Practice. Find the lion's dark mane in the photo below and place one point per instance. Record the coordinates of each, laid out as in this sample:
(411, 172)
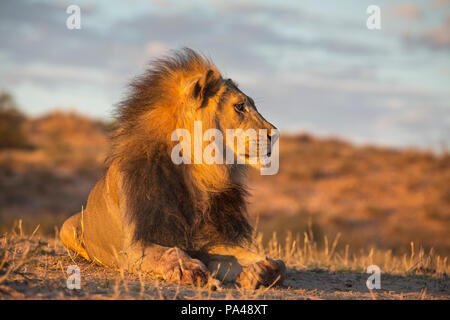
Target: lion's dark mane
(162, 202)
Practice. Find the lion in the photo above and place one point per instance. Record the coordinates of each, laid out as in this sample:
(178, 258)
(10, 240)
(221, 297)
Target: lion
(185, 222)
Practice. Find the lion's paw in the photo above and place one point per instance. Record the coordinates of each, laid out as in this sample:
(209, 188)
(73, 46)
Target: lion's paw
(266, 272)
(177, 266)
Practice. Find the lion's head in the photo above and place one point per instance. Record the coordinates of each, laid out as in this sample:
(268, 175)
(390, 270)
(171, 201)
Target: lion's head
(204, 203)
(218, 103)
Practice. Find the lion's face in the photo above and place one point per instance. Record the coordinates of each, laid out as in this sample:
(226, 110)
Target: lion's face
(230, 109)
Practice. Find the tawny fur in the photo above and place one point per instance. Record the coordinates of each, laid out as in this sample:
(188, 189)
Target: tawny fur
(145, 204)
(191, 206)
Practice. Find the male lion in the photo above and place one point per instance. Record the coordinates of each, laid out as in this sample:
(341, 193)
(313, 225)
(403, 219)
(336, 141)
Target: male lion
(180, 221)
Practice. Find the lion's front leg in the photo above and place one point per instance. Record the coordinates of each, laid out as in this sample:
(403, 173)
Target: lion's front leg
(173, 264)
(250, 270)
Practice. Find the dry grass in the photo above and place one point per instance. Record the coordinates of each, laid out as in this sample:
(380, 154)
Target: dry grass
(303, 251)
(32, 267)
(335, 209)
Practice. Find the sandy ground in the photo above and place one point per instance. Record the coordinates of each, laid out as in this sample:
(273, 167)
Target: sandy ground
(42, 275)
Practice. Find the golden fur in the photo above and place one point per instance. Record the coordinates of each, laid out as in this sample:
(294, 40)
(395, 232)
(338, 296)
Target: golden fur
(185, 220)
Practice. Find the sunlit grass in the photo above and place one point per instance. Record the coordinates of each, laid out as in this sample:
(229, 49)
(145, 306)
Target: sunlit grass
(43, 261)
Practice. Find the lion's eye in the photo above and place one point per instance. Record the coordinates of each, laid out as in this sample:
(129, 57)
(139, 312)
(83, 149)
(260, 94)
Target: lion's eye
(239, 107)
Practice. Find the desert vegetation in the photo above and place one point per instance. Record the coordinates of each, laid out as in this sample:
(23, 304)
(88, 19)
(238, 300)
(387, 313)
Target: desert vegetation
(35, 267)
(332, 210)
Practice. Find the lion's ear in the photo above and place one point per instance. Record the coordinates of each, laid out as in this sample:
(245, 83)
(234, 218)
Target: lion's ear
(205, 87)
(189, 84)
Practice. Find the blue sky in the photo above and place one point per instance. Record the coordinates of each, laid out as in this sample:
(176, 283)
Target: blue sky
(310, 65)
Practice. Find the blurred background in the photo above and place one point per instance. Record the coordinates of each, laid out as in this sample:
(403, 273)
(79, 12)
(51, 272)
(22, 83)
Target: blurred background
(364, 114)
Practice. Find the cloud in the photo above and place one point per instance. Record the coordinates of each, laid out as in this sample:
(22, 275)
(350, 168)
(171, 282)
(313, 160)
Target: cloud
(440, 3)
(435, 38)
(439, 36)
(388, 117)
(319, 69)
(60, 74)
(407, 10)
(156, 48)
